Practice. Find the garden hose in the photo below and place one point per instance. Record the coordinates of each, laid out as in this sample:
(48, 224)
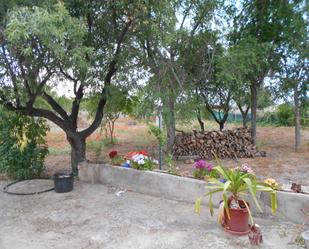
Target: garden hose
(5, 188)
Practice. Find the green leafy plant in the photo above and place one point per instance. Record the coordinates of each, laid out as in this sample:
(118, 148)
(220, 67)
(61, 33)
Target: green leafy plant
(171, 169)
(157, 132)
(239, 182)
(285, 114)
(22, 146)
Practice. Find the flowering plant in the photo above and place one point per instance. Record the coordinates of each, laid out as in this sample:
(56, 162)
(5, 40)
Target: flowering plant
(143, 162)
(239, 182)
(272, 183)
(112, 154)
(130, 154)
(115, 158)
(204, 169)
(244, 168)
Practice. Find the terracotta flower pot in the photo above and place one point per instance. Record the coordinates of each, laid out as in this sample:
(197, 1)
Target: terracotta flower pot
(239, 220)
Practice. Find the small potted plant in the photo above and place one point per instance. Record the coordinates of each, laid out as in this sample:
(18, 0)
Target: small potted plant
(234, 210)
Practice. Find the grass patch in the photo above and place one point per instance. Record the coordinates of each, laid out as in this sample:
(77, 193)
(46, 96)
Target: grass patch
(56, 151)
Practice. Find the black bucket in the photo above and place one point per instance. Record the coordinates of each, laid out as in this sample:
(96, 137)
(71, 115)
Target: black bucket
(63, 182)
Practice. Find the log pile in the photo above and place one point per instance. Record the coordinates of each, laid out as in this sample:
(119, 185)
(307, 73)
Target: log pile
(224, 144)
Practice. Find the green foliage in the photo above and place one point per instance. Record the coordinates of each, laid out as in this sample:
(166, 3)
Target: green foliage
(205, 174)
(118, 102)
(285, 115)
(265, 98)
(117, 160)
(239, 183)
(22, 145)
(47, 39)
(268, 118)
(170, 164)
(63, 101)
(147, 165)
(158, 133)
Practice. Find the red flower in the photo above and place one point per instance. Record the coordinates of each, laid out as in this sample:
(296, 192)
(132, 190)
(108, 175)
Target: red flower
(112, 154)
(143, 152)
(130, 154)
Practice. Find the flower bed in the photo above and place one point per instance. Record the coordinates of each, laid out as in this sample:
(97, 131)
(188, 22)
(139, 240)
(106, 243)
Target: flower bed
(134, 159)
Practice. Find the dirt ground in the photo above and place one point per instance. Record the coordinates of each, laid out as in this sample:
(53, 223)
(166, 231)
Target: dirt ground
(281, 162)
(94, 217)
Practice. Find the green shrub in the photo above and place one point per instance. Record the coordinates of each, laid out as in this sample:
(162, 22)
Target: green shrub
(285, 115)
(22, 145)
(269, 118)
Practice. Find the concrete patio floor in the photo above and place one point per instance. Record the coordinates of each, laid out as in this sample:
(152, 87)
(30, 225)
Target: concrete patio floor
(93, 217)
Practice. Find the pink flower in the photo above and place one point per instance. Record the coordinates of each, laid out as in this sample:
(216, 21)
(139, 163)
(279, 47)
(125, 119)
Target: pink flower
(247, 169)
(202, 164)
(244, 168)
(209, 167)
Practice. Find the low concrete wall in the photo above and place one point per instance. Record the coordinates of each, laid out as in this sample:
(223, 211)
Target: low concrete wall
(293, 207)
(146, 182)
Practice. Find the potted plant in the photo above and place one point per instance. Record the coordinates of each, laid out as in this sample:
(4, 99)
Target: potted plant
(234, 210)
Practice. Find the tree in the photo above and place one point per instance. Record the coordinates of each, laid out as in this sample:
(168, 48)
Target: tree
(219, 74)
(173, 33)
(271, 24)
(41, 48)
(294, 78)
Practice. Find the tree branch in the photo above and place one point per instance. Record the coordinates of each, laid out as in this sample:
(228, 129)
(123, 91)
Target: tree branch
(107, 80)
(76, 104)
(56, 107)
(36, 112)
(98, 117)
(112, 66)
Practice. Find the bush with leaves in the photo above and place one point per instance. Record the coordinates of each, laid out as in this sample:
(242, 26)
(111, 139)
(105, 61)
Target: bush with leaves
(285, 115)
(22, 145)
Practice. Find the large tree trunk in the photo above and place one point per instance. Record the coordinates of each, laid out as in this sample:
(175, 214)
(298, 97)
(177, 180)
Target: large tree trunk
(253, 111)
(297, 118)
(78, 150)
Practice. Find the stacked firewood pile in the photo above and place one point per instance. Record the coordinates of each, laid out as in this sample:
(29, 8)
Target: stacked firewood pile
(224, 144)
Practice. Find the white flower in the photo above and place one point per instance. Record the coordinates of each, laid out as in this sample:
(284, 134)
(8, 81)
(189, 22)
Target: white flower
(137, 157)
(155, 161)
(141, 161)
